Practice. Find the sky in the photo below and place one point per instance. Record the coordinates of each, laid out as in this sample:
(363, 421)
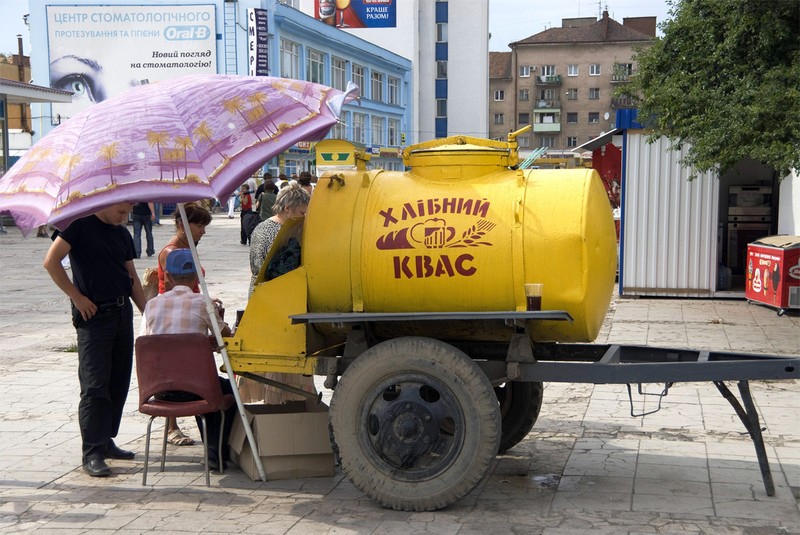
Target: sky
(11, 24)
(509, 20)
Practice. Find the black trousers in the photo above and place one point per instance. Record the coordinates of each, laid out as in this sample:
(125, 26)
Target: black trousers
(212, 419)
(105, 359)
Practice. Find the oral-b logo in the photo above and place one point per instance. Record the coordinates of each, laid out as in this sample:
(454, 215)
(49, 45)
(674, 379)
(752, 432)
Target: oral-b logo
(186, 33)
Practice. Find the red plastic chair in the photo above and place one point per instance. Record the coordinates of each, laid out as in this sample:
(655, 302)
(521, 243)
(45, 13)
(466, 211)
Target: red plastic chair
(183, 362)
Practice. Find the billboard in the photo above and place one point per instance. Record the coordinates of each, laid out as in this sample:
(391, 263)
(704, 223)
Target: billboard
(99, 51)
(357, 13)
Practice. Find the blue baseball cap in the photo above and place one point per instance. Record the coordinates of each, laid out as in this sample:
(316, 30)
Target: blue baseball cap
(180, 262)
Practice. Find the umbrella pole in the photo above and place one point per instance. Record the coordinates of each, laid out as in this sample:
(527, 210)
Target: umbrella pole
(218, 335)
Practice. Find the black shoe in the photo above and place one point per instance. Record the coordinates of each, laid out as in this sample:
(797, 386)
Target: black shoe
(115, 452)
(96, 467)
(213, 461)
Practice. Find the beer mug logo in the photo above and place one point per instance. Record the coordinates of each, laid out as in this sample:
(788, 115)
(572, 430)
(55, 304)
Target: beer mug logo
(432, 233)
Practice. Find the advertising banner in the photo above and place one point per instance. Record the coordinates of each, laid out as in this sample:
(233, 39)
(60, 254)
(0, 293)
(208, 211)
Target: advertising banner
(98, 51)
(257, 42)
(357, 13)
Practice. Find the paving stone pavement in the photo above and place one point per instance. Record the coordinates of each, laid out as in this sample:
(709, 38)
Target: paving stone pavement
(588, 467)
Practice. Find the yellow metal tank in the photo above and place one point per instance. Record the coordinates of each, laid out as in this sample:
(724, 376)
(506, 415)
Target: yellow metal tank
(462, 231)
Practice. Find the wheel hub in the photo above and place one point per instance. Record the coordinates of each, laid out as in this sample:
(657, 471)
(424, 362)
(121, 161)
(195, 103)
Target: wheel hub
(411, 426)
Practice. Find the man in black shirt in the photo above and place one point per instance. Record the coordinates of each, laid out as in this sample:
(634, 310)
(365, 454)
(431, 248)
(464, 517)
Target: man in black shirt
(101, 252)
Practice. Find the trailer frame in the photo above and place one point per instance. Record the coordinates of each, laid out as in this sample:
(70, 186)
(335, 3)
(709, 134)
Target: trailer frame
(526, 361)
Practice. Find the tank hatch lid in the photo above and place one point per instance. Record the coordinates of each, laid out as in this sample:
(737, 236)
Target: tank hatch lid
(461, 150)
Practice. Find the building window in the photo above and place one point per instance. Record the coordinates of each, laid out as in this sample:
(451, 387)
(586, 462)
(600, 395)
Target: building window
(394, 132)
(622, 72)
(594, 93)
(339, 130)
(499, 118)
(572, 141)
(441, 107)
(547, 141)
(572, 118)
(547, 94)
(377, 86)
(594, 117)
(572, 70)
(358, 77)
(572, 94)
(594, 69)
(359, 127)
(524, 71)
(524, 118)
(338, 73)
(393, 87)
(524, 142)
(499, 95)
(441, 70)
(290, 59)
(524, 95)
(441, 32)
(314, 65)
(377, 130)
(548, 70)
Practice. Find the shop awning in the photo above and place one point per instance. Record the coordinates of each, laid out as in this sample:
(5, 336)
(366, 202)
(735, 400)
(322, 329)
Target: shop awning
(599, 141)
(22, 93)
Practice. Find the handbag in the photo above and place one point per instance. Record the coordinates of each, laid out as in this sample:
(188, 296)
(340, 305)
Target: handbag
(285, 260)
(150, 283)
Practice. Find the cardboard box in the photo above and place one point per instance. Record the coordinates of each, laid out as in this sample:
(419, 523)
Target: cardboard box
(292, 440)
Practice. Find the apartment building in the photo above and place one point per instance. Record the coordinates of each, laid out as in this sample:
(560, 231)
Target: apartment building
(562, 80)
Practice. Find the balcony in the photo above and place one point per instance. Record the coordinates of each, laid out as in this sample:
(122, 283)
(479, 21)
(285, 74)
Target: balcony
(621, 77)
(548, 104)
(546, 79)
(623, 102)
(546, 127)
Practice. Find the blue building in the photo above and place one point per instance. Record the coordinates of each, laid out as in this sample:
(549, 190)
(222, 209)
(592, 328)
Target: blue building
(96, 51)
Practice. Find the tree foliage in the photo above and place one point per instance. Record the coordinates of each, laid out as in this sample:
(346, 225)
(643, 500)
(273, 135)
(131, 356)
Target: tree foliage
(725, 78)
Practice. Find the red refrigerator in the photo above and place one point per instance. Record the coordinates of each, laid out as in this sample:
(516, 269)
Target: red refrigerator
(773, 272)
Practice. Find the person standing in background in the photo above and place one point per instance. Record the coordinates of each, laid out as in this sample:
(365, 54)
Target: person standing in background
(144, 214)
(292, 202)
(246, 200)
(104, 282)
(266, 200)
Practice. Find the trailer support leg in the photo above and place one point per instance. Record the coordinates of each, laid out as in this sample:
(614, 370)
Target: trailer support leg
(749, 418)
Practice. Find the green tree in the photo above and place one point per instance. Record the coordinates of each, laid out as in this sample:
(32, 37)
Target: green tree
(725, 78)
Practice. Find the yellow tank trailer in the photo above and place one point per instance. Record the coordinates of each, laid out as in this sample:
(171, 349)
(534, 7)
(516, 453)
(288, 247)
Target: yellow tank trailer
(410, 299)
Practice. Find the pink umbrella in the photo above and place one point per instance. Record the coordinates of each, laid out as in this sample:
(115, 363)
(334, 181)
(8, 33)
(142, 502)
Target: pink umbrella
(177, 140)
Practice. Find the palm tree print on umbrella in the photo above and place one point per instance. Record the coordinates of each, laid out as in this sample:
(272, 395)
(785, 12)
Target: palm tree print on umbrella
(257, 99)
(109, 152)
(235, 105)
(185, 143)
(204, 132)
(70, 161)
(157, 139)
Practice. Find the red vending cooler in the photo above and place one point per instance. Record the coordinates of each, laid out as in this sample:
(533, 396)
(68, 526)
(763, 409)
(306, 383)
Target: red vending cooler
(773, 272)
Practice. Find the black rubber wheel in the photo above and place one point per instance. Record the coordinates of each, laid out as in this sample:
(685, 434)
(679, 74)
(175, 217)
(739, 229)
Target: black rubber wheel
(519, 408)
(417, 423)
